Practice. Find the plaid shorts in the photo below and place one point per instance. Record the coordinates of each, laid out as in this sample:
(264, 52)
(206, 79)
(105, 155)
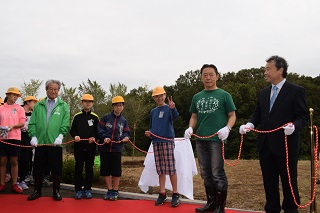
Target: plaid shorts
(164, 158)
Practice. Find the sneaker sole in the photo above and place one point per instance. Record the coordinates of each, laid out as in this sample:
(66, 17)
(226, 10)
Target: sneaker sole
(160, 204)
(175, 205)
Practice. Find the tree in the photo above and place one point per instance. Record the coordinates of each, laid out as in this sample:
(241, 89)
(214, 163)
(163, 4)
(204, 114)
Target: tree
(117, 90)
(72, 98)
(99, 95)
(31, 88)
(138, 104)
(185, 87)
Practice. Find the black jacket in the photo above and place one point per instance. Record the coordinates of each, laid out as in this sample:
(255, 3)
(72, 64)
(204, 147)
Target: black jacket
(290, 106)
(84, 125)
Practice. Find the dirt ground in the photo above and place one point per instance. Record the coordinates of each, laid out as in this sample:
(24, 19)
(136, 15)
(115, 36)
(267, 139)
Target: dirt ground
(245, 183)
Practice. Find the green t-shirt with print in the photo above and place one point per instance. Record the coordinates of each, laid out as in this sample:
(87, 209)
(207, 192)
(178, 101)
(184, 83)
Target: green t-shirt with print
(212, 108)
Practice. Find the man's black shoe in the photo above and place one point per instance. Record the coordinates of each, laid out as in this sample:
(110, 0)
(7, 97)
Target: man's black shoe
(34, 195)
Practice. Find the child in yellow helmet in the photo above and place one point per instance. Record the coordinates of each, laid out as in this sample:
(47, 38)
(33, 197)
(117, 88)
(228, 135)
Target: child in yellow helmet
(84, 132)
(161, 125)
(113, 130)
(25, 157)
(13, 118)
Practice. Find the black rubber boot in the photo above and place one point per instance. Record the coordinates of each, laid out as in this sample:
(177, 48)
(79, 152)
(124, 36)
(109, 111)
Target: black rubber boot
(37, 188)
(221, 201)
(56, 187)
(211, 199)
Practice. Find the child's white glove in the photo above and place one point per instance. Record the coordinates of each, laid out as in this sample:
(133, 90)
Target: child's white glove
(223, 133)
(246, 128)
(34, 142)
(188, 133)
(58, 140)
(289, 129)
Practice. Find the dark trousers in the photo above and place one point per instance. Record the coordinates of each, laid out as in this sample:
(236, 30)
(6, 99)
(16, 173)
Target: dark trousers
(211, 164)
(23, 170)
(47, 158)
(83, 159)
(273, 166)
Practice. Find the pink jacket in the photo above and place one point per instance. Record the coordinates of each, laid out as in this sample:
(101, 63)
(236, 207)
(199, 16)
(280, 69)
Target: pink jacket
(12, 115)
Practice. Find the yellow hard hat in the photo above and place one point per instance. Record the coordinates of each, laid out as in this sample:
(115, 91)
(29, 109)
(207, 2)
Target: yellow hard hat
(158, 91)
(1, 101)
(117, 99)
(30, 98)
(13, 90)
(87, 97)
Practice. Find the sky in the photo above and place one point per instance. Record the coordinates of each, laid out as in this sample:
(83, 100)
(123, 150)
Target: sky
(151, 42)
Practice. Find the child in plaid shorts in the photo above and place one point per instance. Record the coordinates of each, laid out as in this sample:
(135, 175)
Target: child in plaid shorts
(161, 125)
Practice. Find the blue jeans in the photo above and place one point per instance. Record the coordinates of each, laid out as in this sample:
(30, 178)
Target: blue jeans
(211, 164)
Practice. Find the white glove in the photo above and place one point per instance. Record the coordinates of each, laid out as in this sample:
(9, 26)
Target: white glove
(223, 133)
(58, 140)
(289, 129)
(34, 142)
(246, 128)
(188, 133)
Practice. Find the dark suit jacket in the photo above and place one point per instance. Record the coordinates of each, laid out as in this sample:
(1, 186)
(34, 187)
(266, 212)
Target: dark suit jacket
(289, 106)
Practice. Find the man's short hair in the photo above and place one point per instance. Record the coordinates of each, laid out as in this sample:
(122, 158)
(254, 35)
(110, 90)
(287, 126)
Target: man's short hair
(211, 66)
(279, 63)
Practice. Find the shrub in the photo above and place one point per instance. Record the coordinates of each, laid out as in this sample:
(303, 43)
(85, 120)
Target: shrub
(68, 171)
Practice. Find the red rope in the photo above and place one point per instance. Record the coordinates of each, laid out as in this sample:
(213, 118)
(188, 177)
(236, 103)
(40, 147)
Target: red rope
(287, 165)
(223, 154)
(313, 178)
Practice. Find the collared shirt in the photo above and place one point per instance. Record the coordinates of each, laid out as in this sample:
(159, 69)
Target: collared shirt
(279, 85)
(50, 103)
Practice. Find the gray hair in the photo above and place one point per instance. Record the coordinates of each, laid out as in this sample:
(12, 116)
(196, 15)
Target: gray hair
(52, 81)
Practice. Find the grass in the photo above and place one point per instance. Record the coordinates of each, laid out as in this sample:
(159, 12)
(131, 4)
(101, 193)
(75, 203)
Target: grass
(245, 183)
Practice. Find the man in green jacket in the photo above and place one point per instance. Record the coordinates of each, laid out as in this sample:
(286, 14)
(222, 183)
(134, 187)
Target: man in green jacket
(49, 122)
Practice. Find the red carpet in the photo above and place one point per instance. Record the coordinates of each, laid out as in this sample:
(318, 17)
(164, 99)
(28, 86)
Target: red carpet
(19, 203)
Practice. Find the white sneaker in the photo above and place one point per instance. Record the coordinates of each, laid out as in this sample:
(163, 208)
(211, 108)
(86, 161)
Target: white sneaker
(23, 185)
(18, 184)
(28, 179)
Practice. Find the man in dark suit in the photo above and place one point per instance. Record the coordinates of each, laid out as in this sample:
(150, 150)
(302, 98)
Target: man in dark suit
(281, 103)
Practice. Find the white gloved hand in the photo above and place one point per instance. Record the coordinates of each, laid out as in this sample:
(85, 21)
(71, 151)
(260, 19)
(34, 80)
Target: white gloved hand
(246, 128)
(34, 142)
(289, 129)
(188, 133)
(58, 140)
(223, 133)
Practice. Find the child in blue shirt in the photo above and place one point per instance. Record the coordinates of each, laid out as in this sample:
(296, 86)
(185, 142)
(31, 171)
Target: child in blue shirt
(161, 125)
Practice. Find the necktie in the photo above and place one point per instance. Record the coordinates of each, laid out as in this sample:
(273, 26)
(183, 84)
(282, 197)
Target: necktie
(274, 96)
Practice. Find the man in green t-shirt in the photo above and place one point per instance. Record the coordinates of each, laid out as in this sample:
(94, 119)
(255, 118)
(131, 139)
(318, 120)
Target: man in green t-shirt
(212, 111)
